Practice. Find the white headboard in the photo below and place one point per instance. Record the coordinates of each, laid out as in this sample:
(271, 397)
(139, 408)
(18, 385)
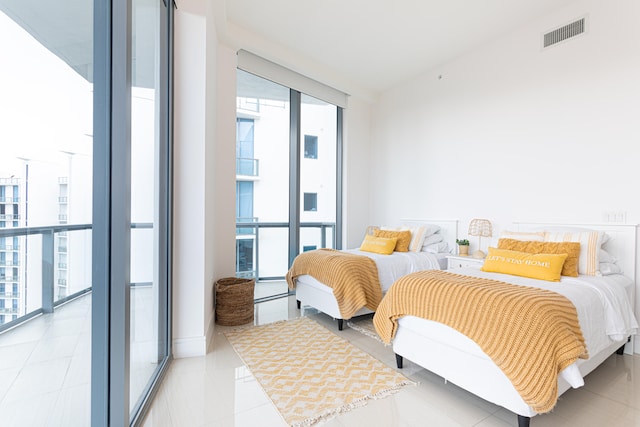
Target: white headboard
(448, 228)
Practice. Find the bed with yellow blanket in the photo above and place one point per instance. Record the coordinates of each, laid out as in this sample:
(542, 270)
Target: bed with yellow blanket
(349, 283)
(511, 339)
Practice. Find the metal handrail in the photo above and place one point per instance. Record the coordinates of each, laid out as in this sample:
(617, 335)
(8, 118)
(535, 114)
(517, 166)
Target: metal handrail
(47, 232)
(256, 225)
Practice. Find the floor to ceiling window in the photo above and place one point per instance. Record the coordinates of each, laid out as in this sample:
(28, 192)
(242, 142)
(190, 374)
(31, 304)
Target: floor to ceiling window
(85, 125)
(149, 204)
(287, 179)
(262, 182)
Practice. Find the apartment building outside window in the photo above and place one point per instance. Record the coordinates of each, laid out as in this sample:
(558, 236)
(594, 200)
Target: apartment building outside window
(277, 211)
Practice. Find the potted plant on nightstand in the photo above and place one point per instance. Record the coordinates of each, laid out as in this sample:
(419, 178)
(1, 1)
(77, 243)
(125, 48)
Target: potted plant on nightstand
(463, 246)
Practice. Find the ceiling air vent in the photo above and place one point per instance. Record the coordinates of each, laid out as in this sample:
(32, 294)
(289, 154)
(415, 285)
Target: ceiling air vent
(564, 33)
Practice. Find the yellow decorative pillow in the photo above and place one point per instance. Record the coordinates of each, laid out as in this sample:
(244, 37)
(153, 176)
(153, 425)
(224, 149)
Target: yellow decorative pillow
(378, 245)
(403, 238)
(537, 266)
(572, 249)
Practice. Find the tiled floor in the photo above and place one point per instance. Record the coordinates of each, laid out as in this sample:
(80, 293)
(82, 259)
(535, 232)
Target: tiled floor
(218, 391)
(45, 366)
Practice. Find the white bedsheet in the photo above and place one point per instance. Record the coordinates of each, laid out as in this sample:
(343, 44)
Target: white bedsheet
(602, 303)
(392, 267)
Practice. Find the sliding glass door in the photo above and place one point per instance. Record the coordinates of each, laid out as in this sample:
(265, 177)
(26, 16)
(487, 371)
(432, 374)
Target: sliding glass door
(131, 221)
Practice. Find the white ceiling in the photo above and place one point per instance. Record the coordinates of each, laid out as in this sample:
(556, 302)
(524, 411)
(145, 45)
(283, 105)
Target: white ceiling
(369, 46)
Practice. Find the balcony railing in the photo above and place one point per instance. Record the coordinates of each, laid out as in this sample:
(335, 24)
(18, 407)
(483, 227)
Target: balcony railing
(9, 200)
(9, 216)
(48, 284)
(249, 228)
(247, 167)
(46, 291)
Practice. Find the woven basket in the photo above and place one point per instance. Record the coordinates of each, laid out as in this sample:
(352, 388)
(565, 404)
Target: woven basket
(234, 301)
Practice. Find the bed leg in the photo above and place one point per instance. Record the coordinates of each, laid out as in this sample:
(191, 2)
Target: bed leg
(340, 324)
(298, 303)
(523, 421)
(620, 351)
(398, 361)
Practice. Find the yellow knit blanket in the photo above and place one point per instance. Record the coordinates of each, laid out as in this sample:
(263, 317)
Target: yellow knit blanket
(353, 278)
(531, 334)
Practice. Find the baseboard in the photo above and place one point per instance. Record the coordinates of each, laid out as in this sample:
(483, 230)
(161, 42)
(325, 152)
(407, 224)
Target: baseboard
(189, 347)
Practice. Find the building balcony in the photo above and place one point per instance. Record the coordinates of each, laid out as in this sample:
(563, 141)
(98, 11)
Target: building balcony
(46, 352)
(9, 181)
(247, 167)
(9, 217)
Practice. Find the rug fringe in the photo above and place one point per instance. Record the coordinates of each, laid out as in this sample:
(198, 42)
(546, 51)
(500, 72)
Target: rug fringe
(366, 332)
(353, 405)
(250, 326)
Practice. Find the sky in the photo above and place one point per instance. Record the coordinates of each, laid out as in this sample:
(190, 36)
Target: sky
(45, 106)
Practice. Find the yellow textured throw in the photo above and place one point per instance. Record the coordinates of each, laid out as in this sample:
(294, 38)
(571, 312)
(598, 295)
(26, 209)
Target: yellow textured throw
(353, 278)
(531, 334)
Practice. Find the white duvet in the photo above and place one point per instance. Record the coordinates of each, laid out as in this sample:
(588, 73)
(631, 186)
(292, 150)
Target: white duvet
(392, 267)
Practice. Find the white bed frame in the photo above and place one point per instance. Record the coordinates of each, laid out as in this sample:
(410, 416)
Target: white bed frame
(312, 293)
(453, 356)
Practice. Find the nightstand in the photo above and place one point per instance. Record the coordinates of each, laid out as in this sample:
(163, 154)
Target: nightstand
(457, 261)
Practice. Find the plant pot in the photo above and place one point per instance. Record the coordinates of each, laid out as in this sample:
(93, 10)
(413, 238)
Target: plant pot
(463, 250)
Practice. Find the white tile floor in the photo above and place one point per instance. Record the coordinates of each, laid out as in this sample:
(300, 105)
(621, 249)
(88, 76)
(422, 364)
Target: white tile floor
(45, 366)
(217, 391)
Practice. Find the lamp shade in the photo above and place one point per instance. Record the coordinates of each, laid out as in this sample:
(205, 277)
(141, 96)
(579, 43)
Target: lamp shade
(480, 227)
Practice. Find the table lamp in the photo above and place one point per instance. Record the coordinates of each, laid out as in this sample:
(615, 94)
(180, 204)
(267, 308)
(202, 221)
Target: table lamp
(481, 228)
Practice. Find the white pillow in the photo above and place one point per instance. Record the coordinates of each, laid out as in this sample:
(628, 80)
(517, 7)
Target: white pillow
(605, 256)
(537, 236)
(607, 268)
(418, 234)
(590, 245)
(434, 238)
(437, 248)
(429, 228)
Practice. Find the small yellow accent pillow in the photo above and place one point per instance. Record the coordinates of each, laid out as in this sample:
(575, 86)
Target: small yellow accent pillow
(572, 249)
(537, 266)
(378, 245)
(403, 238)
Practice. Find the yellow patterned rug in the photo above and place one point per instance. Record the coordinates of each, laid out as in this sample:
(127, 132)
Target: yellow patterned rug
(310, 373)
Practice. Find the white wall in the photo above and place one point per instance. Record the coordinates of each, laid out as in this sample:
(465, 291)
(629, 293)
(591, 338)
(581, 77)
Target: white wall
(189, 280)
(510, 132)
(204, 175)
(357, 160)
